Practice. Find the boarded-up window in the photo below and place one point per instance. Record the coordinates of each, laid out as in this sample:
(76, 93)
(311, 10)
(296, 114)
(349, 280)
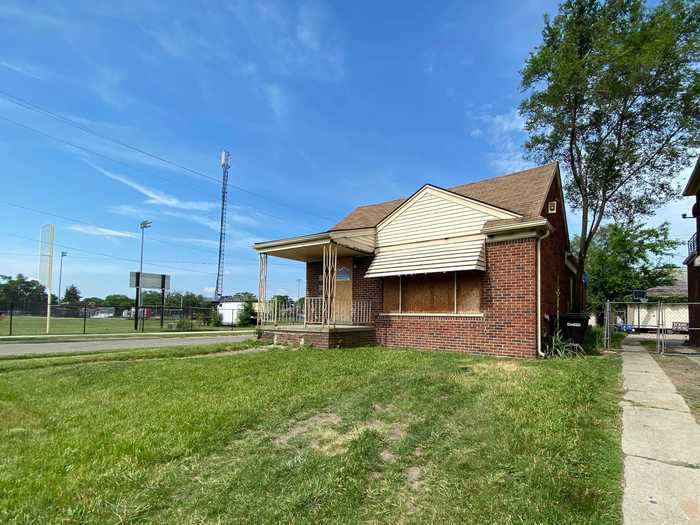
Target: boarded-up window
(433, 293)
(468, 292)
(391, 294)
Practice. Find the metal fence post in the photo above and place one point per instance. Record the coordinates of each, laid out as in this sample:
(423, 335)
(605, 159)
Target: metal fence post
(605, 324)
(12, 307)
(84, 319)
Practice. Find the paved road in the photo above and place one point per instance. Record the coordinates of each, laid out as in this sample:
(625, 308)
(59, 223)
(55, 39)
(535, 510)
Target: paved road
(106, 345)
(661, 443)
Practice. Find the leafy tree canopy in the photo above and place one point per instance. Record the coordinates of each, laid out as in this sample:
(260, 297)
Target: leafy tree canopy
(614, 95)
(118, 300)
(72, 295)
(246, 315)
(21, 289)
(623, 258)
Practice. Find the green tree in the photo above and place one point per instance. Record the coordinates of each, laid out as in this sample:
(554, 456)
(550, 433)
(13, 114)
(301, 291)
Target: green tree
(282, 299)
(21, 290)
(93, 301)
(623, 258)
(72, 295)
(118, 300)
(614, 95)
(244, 296)
(151, 298)
(246, 314)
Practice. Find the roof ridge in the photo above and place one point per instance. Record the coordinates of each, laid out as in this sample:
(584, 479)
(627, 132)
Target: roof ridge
(506, 175)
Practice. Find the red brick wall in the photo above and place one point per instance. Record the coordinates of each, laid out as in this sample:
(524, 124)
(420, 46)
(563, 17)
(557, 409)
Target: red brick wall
(694, 287)
(508, 304)
(314, 274)
(694, 309)
(553, 265)
(366, 289)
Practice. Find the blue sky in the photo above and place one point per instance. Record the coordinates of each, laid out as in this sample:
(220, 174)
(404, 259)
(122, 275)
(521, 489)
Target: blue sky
(323, 106)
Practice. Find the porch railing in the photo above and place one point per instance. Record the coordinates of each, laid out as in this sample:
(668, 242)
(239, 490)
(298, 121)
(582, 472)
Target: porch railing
(693, 244)
(346, 312)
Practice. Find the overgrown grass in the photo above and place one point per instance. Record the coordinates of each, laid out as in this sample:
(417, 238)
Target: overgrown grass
(593, 340)
(344, 436)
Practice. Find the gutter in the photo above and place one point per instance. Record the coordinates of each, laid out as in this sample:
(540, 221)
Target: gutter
(539, 292)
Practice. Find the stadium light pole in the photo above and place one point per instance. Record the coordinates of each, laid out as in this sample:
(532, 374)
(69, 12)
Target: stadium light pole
(60, 275)
(144, 224)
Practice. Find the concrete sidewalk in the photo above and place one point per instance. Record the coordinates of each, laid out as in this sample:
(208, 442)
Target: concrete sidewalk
(661, 443)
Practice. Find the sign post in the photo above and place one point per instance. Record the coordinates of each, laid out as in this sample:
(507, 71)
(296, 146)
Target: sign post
(156, 281)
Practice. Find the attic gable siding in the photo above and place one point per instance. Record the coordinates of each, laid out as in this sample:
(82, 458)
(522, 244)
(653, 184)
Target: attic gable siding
(434, 214)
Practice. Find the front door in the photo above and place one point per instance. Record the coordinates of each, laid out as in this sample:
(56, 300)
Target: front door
(343, 291)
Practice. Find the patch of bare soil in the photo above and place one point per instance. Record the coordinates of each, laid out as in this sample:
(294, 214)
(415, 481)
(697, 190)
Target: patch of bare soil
(685, 375)
(323, 433)
(504, 365)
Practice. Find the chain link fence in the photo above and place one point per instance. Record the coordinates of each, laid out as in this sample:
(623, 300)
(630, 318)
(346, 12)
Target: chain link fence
(30, 319)
(662, 322)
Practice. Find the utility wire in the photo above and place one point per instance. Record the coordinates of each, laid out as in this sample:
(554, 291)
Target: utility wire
(109, 256)
(66, 120)
(80, 221)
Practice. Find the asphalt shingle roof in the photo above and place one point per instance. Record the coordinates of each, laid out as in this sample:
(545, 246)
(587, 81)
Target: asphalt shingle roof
(523, 192)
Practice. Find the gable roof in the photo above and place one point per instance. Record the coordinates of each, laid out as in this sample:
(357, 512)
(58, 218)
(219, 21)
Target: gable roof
(523, 192)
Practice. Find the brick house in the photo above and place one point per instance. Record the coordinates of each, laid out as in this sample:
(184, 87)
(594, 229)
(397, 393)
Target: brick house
(480, 267)
(692, 261)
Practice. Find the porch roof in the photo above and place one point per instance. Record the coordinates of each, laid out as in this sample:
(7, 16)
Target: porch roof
(310, 247)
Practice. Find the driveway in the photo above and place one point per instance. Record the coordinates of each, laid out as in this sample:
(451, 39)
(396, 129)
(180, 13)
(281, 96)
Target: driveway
(107, 345)
(661, 443)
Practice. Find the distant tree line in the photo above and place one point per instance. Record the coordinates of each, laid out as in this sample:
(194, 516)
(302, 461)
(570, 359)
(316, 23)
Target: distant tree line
(22, 290)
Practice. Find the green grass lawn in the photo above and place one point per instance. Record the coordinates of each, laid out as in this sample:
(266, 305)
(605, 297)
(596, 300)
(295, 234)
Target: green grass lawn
(36, 325)
(342, 436)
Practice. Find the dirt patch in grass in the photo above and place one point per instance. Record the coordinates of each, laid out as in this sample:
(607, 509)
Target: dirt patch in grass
(324, 432)
(505, 366)
(685, 375)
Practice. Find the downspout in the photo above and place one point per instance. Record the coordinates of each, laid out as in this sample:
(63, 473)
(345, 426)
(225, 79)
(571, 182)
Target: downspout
(539, 292)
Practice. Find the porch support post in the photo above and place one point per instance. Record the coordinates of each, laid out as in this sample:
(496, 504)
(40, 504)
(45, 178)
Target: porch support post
(262, 289)
(330, 263)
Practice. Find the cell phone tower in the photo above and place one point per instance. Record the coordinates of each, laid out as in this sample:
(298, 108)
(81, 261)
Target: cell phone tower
(219, 291)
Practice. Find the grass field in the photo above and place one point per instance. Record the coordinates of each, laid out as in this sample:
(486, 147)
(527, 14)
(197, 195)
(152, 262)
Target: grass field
(341, 436)
(35, 325)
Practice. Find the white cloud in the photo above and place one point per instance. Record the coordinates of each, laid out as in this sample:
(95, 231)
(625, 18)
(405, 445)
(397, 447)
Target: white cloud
(207, 222)
(25, 69)
(504, 133)
(155, 196)
(101, 232)
(107, 83)
(36, 17)
(277, 100)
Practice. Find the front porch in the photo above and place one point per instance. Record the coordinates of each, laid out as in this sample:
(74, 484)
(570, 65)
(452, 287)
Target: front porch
(329, 316)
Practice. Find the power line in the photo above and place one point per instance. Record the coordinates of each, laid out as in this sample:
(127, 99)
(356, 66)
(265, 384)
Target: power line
(151, 261)
(66, 120)
(108, 256)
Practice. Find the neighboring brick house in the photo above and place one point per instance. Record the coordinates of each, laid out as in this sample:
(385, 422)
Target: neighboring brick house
(480, 267)
(692, 189)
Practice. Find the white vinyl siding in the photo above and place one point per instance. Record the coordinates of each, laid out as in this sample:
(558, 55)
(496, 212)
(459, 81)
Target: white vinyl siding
(460, 255)
(434, 231)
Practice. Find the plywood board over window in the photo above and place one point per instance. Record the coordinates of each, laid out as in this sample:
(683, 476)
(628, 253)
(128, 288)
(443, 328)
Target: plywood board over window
(429, 293)
(392, 290)
(468, 292)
